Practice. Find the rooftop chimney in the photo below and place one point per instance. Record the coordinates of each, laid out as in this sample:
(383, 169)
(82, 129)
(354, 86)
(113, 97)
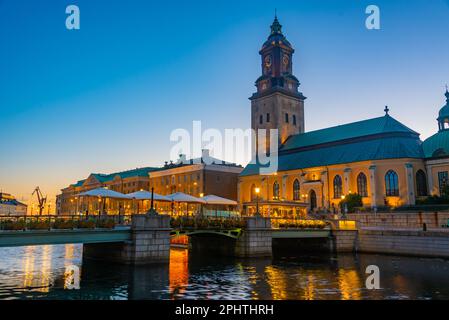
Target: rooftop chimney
(205, 157)
(182, 158)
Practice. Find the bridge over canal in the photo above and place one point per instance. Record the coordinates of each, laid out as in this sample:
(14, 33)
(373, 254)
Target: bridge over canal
(146, 238)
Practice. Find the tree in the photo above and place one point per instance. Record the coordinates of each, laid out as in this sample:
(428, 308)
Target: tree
(352, 201)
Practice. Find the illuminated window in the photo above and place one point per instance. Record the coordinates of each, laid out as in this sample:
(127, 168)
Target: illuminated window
(338, 187)
(296, 190)
(421, 184)
(442, 182)
(391, 184)
(276, 191)
(253, 192)
(362, 185)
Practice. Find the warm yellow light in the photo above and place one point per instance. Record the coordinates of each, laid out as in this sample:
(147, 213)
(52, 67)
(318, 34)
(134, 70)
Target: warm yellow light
(257, 190)
(343, 197)
(201, 195)
(347, 225)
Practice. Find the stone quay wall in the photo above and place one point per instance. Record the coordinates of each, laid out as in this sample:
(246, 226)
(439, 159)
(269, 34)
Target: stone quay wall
(400, 220)
(344, 240)
(150, 243)
(404, 242)
(256, 240)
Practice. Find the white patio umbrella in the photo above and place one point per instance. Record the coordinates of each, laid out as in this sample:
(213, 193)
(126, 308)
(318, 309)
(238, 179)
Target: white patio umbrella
(213, 199)
(104, 193)
(146, 195)
(182, 197)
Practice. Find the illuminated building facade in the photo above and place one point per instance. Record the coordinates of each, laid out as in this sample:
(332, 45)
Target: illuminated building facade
(197, 177)
(9, 206)
(380, 159)
(125, 182)
(202, 176)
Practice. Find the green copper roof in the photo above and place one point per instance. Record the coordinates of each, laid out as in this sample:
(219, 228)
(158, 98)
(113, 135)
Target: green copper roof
(437, 145)
(444, 111)
(79, 183)
(385, 124)
(139, 172)
(374, 139)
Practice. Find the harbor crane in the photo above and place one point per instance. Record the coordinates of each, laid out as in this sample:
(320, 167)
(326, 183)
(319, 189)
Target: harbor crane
(41, 199)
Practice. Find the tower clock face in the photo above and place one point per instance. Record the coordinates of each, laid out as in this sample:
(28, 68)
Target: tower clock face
(268, 61)
(285, 59)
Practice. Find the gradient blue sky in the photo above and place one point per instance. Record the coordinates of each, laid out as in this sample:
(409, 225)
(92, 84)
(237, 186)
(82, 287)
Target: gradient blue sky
(105, 98)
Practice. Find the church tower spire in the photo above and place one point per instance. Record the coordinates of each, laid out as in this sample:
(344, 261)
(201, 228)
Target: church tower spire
(443, 115)
(277, 103)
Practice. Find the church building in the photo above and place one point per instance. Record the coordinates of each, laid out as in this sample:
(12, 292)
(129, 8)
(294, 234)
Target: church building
(381, 159)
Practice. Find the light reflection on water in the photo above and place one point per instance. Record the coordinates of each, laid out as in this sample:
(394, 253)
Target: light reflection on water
(40, 273)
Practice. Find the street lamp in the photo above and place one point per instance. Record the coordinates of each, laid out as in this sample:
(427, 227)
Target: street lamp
(257, 191)
(344, 208)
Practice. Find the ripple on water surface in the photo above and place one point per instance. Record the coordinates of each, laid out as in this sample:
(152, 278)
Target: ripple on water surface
(40, 273)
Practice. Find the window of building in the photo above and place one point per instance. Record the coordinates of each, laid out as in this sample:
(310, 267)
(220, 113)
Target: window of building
(421, 184)
(286, 118)
(338, 187)
(362, 189)
(296, 190)
(268, 117)
(276, 191)
(442, 182)
(391, 184)
(261, 119)
(294, 120)
(253, 192)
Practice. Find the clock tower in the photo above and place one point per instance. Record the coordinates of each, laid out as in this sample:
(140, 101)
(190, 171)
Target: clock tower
(277, 104)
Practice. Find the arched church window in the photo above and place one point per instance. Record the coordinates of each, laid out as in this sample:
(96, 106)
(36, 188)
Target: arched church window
(296, 190)
(276, 191)
(313, 200)
(286, 118)
(362, 185)
(294, 120)
(338, 187)
(421, 184)
(268, 117)
(391, 184)
(261, 119)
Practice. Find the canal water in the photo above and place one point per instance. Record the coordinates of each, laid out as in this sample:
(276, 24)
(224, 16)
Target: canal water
(40, 273)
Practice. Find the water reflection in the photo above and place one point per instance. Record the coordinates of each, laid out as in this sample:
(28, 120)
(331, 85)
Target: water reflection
(41, 273)
(178, 271)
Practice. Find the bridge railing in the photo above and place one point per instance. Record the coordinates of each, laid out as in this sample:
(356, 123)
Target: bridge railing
(18, 223)
(298, 223)
(185, 223)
